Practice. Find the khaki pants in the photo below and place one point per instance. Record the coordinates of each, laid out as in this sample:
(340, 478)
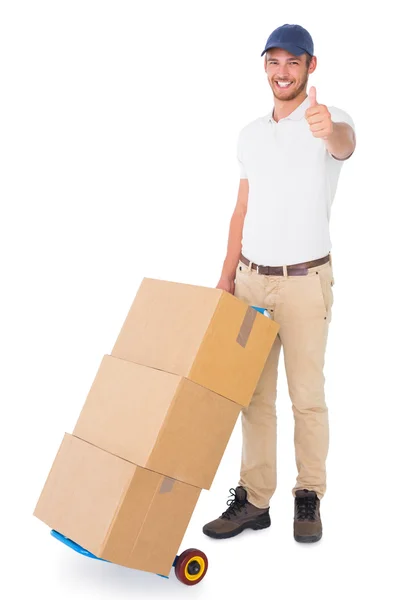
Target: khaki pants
(302, 305)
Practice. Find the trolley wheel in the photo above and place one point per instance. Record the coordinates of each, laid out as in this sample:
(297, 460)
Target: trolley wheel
(191, 566)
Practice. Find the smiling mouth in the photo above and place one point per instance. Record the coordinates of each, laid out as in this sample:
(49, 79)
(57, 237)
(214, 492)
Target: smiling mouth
(283, 85)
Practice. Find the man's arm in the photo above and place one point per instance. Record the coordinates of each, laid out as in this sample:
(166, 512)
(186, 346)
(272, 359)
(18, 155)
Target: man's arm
(227, 279)
(339, 136)
(341, 142)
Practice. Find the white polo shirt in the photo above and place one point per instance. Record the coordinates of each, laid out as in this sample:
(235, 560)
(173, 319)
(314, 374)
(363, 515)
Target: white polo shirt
(292, 184)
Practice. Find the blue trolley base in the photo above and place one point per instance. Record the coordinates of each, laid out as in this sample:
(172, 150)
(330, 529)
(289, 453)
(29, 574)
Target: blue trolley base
(71, 544)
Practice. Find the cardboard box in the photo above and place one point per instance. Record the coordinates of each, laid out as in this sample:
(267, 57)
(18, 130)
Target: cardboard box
(118, 511)
(204, 334)
(157, 420)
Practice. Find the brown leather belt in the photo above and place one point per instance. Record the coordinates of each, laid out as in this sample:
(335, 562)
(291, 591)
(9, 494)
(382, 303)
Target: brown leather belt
(297, 269)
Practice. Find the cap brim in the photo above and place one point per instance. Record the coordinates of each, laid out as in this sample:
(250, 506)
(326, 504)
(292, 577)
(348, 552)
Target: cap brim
(296, 50)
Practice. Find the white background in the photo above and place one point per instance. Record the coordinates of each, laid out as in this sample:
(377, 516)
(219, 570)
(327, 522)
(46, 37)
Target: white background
(119, 123)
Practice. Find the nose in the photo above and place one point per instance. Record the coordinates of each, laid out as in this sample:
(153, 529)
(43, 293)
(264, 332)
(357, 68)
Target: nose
(283, 71)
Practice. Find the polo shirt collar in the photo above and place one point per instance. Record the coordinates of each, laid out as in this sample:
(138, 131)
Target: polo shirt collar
(296, 115)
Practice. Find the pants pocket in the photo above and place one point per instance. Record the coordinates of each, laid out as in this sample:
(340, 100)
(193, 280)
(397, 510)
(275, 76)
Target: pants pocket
(326, 282)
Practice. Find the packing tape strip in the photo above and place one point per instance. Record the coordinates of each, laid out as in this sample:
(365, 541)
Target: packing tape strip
(167, 485)
(246, 326)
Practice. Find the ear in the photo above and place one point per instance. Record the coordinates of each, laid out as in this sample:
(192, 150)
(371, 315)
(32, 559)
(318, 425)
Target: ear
(313, 65)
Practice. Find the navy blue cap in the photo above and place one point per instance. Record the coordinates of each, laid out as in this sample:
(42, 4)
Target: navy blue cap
(293, 38)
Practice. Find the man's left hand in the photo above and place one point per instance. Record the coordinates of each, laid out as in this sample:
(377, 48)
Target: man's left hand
(318, 117)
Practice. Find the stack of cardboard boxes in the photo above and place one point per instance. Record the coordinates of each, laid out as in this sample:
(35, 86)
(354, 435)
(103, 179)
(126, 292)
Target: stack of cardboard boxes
(156, 423)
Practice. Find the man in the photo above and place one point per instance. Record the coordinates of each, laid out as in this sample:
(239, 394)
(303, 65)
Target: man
(279, 258)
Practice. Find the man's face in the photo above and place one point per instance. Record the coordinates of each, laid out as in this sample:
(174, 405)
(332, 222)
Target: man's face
(287, 74)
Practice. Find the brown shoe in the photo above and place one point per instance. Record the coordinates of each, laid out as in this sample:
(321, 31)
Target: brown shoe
(240, 515)
(307, 518)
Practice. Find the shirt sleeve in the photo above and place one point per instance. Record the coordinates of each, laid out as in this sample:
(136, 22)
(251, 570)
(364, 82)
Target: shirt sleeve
(239, 150)
(341, 116)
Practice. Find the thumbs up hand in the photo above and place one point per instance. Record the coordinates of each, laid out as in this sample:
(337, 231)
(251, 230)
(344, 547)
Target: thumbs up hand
(312, 94)
(318, 117)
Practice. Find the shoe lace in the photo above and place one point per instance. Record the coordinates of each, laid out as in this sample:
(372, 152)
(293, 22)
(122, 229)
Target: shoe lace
(306, 508)
(234, 506)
